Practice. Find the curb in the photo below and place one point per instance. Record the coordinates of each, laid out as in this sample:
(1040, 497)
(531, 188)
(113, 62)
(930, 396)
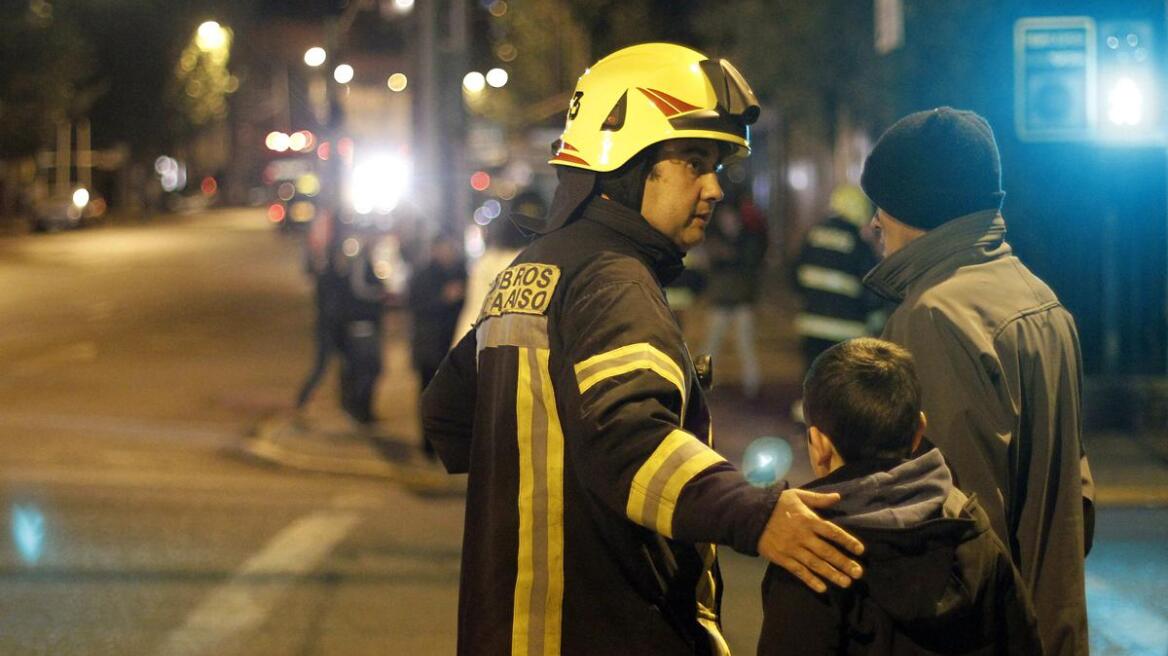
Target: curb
(368, 459)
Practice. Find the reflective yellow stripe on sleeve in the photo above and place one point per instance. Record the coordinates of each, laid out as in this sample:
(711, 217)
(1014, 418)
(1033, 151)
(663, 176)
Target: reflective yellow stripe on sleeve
(632, 357)
(659, 482)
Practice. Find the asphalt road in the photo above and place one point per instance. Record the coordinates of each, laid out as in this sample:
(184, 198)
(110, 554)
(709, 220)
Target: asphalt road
(133, 361)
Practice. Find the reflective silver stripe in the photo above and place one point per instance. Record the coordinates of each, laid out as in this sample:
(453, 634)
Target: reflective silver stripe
(658, 483)
(832, 239)
(829, 280)
(512, 330)
(814, 325)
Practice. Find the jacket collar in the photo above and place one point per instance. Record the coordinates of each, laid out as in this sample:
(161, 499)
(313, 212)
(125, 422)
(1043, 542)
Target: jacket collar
(654, 248)
(973, 238)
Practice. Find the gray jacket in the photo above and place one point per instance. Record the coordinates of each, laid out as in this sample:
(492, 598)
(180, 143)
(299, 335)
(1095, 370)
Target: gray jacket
(999, 362)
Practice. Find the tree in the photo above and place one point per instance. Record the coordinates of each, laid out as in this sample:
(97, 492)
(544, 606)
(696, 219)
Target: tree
(547, 44)
(201, 80)
(44, 75)
(811, 61)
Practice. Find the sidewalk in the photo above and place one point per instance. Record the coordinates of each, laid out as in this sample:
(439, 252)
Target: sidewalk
(323, 439)
(1130, 468)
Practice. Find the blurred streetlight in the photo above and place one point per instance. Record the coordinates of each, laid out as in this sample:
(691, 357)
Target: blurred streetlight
(507, 51)
(343, 74)
(211, 36)
(397, 82)
(403, 6)
(497, 77)
(278, 141)
(315, 56)
(474, 82)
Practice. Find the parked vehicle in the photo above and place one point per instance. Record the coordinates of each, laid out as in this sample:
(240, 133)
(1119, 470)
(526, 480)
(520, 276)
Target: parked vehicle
(67, 212)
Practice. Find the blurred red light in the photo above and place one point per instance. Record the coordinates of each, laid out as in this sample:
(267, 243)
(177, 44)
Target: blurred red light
(345, 149)
(323, 150)
(276, 212)
(480, 181)
(209, 186)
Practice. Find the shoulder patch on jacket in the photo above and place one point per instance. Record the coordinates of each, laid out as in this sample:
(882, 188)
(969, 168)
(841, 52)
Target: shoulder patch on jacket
(521, 289)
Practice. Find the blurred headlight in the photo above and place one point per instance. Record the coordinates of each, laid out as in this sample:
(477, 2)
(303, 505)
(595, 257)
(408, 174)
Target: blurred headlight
(378, 184)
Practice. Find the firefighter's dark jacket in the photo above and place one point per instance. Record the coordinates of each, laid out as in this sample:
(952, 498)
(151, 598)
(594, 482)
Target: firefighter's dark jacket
(594, 496)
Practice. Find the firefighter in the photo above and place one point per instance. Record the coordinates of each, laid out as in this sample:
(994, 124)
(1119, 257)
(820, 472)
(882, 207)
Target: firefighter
(829, 272)
(595, 497)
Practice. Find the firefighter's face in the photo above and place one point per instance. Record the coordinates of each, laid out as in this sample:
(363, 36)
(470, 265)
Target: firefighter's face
(682, 189)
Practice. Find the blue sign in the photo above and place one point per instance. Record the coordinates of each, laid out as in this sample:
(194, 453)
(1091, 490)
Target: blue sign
(1054, 78)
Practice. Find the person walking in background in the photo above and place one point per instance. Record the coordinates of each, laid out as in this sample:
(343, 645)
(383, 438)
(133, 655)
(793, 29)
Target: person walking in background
(349, 301)
(735, 252)
(829, 273)
(437, 293)
(503, 240)
(319, 254)
(998, 354)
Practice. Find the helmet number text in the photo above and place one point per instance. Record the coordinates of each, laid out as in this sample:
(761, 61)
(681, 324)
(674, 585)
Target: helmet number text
(574, 107)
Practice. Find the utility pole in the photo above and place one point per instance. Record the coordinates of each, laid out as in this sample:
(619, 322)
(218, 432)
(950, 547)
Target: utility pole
(426, 119)
(64, 161)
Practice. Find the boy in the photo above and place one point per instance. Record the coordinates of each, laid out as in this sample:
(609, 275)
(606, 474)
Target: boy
(937, 580)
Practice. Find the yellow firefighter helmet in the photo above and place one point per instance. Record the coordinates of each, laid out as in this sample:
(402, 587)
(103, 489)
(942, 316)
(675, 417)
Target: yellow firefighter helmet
(648, 93)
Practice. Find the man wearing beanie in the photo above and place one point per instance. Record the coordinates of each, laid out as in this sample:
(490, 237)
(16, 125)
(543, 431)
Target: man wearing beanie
(997, 353)
(595, 497)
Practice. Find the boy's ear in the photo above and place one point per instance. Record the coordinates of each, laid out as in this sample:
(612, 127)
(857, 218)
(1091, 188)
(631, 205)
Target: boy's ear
(819, 447)
(920, 434)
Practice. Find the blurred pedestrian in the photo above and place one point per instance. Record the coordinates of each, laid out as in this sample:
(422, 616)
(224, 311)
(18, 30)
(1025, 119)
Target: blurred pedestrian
(503, 240)
(998, 354)
(829, 274)
(349, 301)
(594, 494)
(735, 252)
(437, 291)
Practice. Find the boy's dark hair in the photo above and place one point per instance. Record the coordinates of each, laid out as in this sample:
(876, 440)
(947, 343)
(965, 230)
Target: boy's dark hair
(865, 396)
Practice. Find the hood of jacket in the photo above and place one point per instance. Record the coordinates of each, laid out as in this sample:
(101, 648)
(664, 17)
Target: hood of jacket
(662, 256)
(973, 238)
(915, 525)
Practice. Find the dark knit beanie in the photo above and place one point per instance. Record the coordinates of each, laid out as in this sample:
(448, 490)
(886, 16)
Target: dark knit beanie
(934, 166)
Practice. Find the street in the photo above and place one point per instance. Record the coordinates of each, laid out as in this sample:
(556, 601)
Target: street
(133, 362)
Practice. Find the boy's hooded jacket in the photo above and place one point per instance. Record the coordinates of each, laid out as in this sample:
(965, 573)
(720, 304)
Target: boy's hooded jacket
(937, 580)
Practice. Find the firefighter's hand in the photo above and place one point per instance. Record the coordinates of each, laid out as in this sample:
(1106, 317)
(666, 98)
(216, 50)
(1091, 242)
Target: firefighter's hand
(800, 542)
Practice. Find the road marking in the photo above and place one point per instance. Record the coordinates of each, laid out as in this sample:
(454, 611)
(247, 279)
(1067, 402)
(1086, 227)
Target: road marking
(186, 432)
(1122, 625)
(245, 601)
(68, 354)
